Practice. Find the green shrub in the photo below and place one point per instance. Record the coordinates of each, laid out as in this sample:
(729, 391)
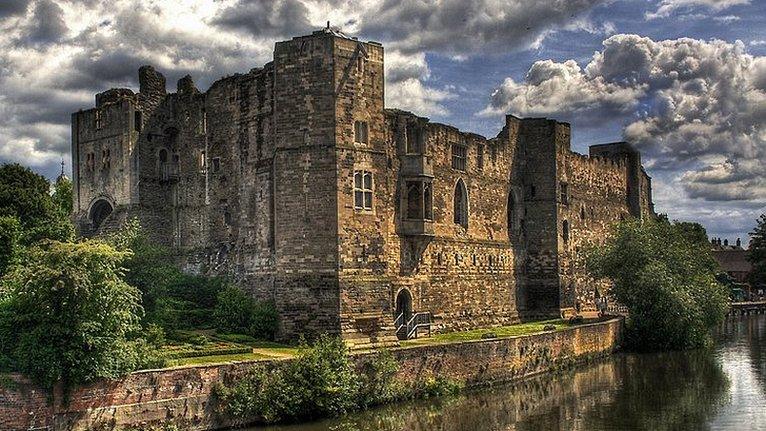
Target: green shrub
(320, 382)
(378, 385)
(236, 311)
(665, 275)
(437, 387)
(68, 316)
(265, 321)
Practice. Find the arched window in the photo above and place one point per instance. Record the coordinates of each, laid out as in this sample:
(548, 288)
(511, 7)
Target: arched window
(460, 204)
(565, 231)
(511, 215)
(99, 211)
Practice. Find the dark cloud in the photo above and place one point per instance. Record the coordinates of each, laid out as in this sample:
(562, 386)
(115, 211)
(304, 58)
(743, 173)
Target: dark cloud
(458, 27)
(266, 17)
(47, 24)
(13, 7)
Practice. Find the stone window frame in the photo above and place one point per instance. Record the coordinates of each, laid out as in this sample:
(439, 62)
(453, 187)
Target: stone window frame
(459, 156)
(90, 161)
(364, 193)
(98, 120)
(564, 192)
(106, 159)
(361, 132)
(216, 165)
(425, 195)
(460, 213)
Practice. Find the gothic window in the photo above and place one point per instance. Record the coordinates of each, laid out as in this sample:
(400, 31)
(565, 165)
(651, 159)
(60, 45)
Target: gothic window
(202, 161)
(363, 190)
(565, 231)
(360, 132)
(582, 212)
(216, 164)
(458, 157)
(513, 225)
(419, 200)
(106, 161)
(90, 162)
(480, 156)
(162, 165)
(428, 202)
(98, 120)
(564, 190)
(460, 204)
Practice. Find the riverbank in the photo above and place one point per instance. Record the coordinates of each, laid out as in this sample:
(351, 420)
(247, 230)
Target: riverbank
(183, 396)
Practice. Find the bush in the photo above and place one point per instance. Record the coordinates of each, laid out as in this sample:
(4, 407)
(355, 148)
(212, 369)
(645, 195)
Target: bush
(236, 311)
(378, 385)
(320, 382)
(665, 276)
(68, 316)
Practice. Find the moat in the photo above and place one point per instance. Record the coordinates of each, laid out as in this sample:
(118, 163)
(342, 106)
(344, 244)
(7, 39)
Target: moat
(720, 389)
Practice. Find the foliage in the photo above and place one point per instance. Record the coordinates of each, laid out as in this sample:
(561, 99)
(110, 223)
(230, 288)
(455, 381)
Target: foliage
(10, 238)
(757, 252)
(67, 316)
(235, 311)
(62, 196)
(26, 196)
(320, 382)
(667, 281)
(378, 385)
(171, 298)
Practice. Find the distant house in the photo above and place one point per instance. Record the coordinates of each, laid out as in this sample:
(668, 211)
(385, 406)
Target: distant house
(734, 261)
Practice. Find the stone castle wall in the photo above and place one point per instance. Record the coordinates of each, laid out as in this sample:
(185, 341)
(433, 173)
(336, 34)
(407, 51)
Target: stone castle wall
(254, 179)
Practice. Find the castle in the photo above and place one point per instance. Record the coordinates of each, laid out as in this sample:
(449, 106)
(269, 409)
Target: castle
(296, 182)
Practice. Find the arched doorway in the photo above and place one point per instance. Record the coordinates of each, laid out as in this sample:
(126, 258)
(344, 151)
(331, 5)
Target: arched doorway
(99, 211)
(404, 305)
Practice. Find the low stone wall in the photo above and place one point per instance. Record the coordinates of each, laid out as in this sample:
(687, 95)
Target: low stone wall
(183, 395)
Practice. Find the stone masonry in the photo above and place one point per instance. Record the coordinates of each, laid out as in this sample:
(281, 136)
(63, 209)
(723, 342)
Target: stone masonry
(297, 183)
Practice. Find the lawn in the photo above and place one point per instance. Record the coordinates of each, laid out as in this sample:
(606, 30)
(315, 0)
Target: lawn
(500, 332)
(217, 359)
(198, 347)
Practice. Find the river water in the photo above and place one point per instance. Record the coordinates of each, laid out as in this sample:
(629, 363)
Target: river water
(720, 389)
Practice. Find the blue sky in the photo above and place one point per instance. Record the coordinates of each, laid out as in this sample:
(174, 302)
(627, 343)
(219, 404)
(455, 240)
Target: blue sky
(684, 80)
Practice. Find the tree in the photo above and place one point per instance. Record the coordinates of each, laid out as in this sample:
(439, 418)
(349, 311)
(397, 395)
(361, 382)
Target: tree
(62, 195)
(10, 237)
(67, 316)
(26, 196)
(666, 279)
(757, 252)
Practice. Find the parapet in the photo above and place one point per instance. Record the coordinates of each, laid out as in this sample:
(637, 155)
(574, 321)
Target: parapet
(113, 95)
(150, 81)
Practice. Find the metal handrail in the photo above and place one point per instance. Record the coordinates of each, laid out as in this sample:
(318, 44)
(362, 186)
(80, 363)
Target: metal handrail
(418, 320)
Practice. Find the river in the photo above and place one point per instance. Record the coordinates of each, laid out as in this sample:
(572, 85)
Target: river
(719, 389)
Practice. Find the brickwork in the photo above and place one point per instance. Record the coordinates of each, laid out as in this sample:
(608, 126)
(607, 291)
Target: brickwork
(183, 396)
(296, 182)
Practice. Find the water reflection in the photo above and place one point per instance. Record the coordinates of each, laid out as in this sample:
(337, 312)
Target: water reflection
(719, 389)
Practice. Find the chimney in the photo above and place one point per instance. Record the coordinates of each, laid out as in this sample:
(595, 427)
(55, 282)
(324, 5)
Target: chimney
(739, 243)
(726, 242)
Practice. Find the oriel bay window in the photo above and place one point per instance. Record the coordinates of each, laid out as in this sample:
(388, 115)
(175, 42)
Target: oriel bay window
(419, 205)
(363, 190)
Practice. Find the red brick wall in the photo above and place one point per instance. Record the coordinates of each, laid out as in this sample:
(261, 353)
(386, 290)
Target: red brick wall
(183, 395)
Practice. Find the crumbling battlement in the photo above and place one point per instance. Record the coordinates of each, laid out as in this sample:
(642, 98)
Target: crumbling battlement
(295, 181)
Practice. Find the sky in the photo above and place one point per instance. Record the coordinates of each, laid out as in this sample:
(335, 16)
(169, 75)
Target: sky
(682, 80)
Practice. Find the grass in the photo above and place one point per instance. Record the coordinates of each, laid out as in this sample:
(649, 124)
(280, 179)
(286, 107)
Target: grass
(500, 332)
(218, 359)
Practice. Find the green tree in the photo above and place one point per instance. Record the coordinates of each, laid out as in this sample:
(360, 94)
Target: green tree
(62, 196)
(26, 196)
(67, 316)
(10, 237)
(757, 252)
(667, 281)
